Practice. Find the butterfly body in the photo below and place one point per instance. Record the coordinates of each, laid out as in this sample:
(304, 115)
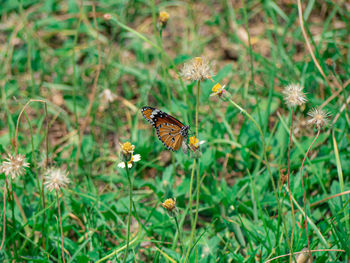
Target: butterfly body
(170, 131)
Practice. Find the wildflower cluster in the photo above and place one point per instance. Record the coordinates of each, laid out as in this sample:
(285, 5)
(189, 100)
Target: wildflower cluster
(128, 155)
(294, 96)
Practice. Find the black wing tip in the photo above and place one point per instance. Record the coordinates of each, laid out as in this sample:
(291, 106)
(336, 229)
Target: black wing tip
(146, 107)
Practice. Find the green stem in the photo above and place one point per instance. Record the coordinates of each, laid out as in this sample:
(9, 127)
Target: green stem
(75, 82)
(197, 107)
(129, 214)
(290, 195)
(194, 222)
(304, 194)
(13, 220)
(61, 227)
(179, 234)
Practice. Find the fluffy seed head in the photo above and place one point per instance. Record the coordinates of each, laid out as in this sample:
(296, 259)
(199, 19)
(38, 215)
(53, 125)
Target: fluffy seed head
(14, 166)
(318, 117)
(56, 179)
(197, 69)
(294, 95)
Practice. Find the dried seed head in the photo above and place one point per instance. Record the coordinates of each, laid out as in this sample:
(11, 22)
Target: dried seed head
(14, 166)
(294, 95)
(56, 179)
(197, 69)
(318, 117)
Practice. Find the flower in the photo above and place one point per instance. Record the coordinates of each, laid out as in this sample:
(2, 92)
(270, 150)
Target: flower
(197, 69)
(195, 143)
(294, 95)
(127, 148)
(107, 96)
(218, 90)
(163, 17)
(56, 178)
(318, 117)
(14, 165)
(107, 16)
(169, 204)
(134, 158)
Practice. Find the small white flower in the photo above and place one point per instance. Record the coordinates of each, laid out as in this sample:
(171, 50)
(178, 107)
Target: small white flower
(107, 96)
(122, 165)
(14, 166)
(56, 178)
(134, 158)
(294, 95)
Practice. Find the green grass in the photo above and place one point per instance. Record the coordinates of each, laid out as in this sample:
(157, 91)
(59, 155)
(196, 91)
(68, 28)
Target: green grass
(50, 50)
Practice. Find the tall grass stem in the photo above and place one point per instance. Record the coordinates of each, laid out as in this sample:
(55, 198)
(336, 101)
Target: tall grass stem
(288, 178)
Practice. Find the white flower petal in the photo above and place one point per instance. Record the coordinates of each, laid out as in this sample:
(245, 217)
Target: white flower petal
(136, 158)
(129, 165)
(121, 165)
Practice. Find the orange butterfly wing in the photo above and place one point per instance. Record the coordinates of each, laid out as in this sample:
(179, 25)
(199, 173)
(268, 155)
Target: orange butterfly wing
(171, 132)
(170, 136)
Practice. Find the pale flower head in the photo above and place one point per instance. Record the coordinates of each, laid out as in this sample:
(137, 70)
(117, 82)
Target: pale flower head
(294, 95)
(56, 179)
(318, 117)
(198, 68)
(14, 165)
(107, 96)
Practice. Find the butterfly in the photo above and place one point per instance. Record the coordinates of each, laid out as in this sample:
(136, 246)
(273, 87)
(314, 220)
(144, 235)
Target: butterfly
(170, 131)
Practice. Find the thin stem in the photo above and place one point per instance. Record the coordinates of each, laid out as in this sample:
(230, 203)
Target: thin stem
(60, 219)
(304, 194)
(129, 214)
(43, 180)
(194, 222)
(179, 233)
(290, 192)
(13, 219)
(197, 107)
(75, 81)
(251, 59)
(4, 215)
